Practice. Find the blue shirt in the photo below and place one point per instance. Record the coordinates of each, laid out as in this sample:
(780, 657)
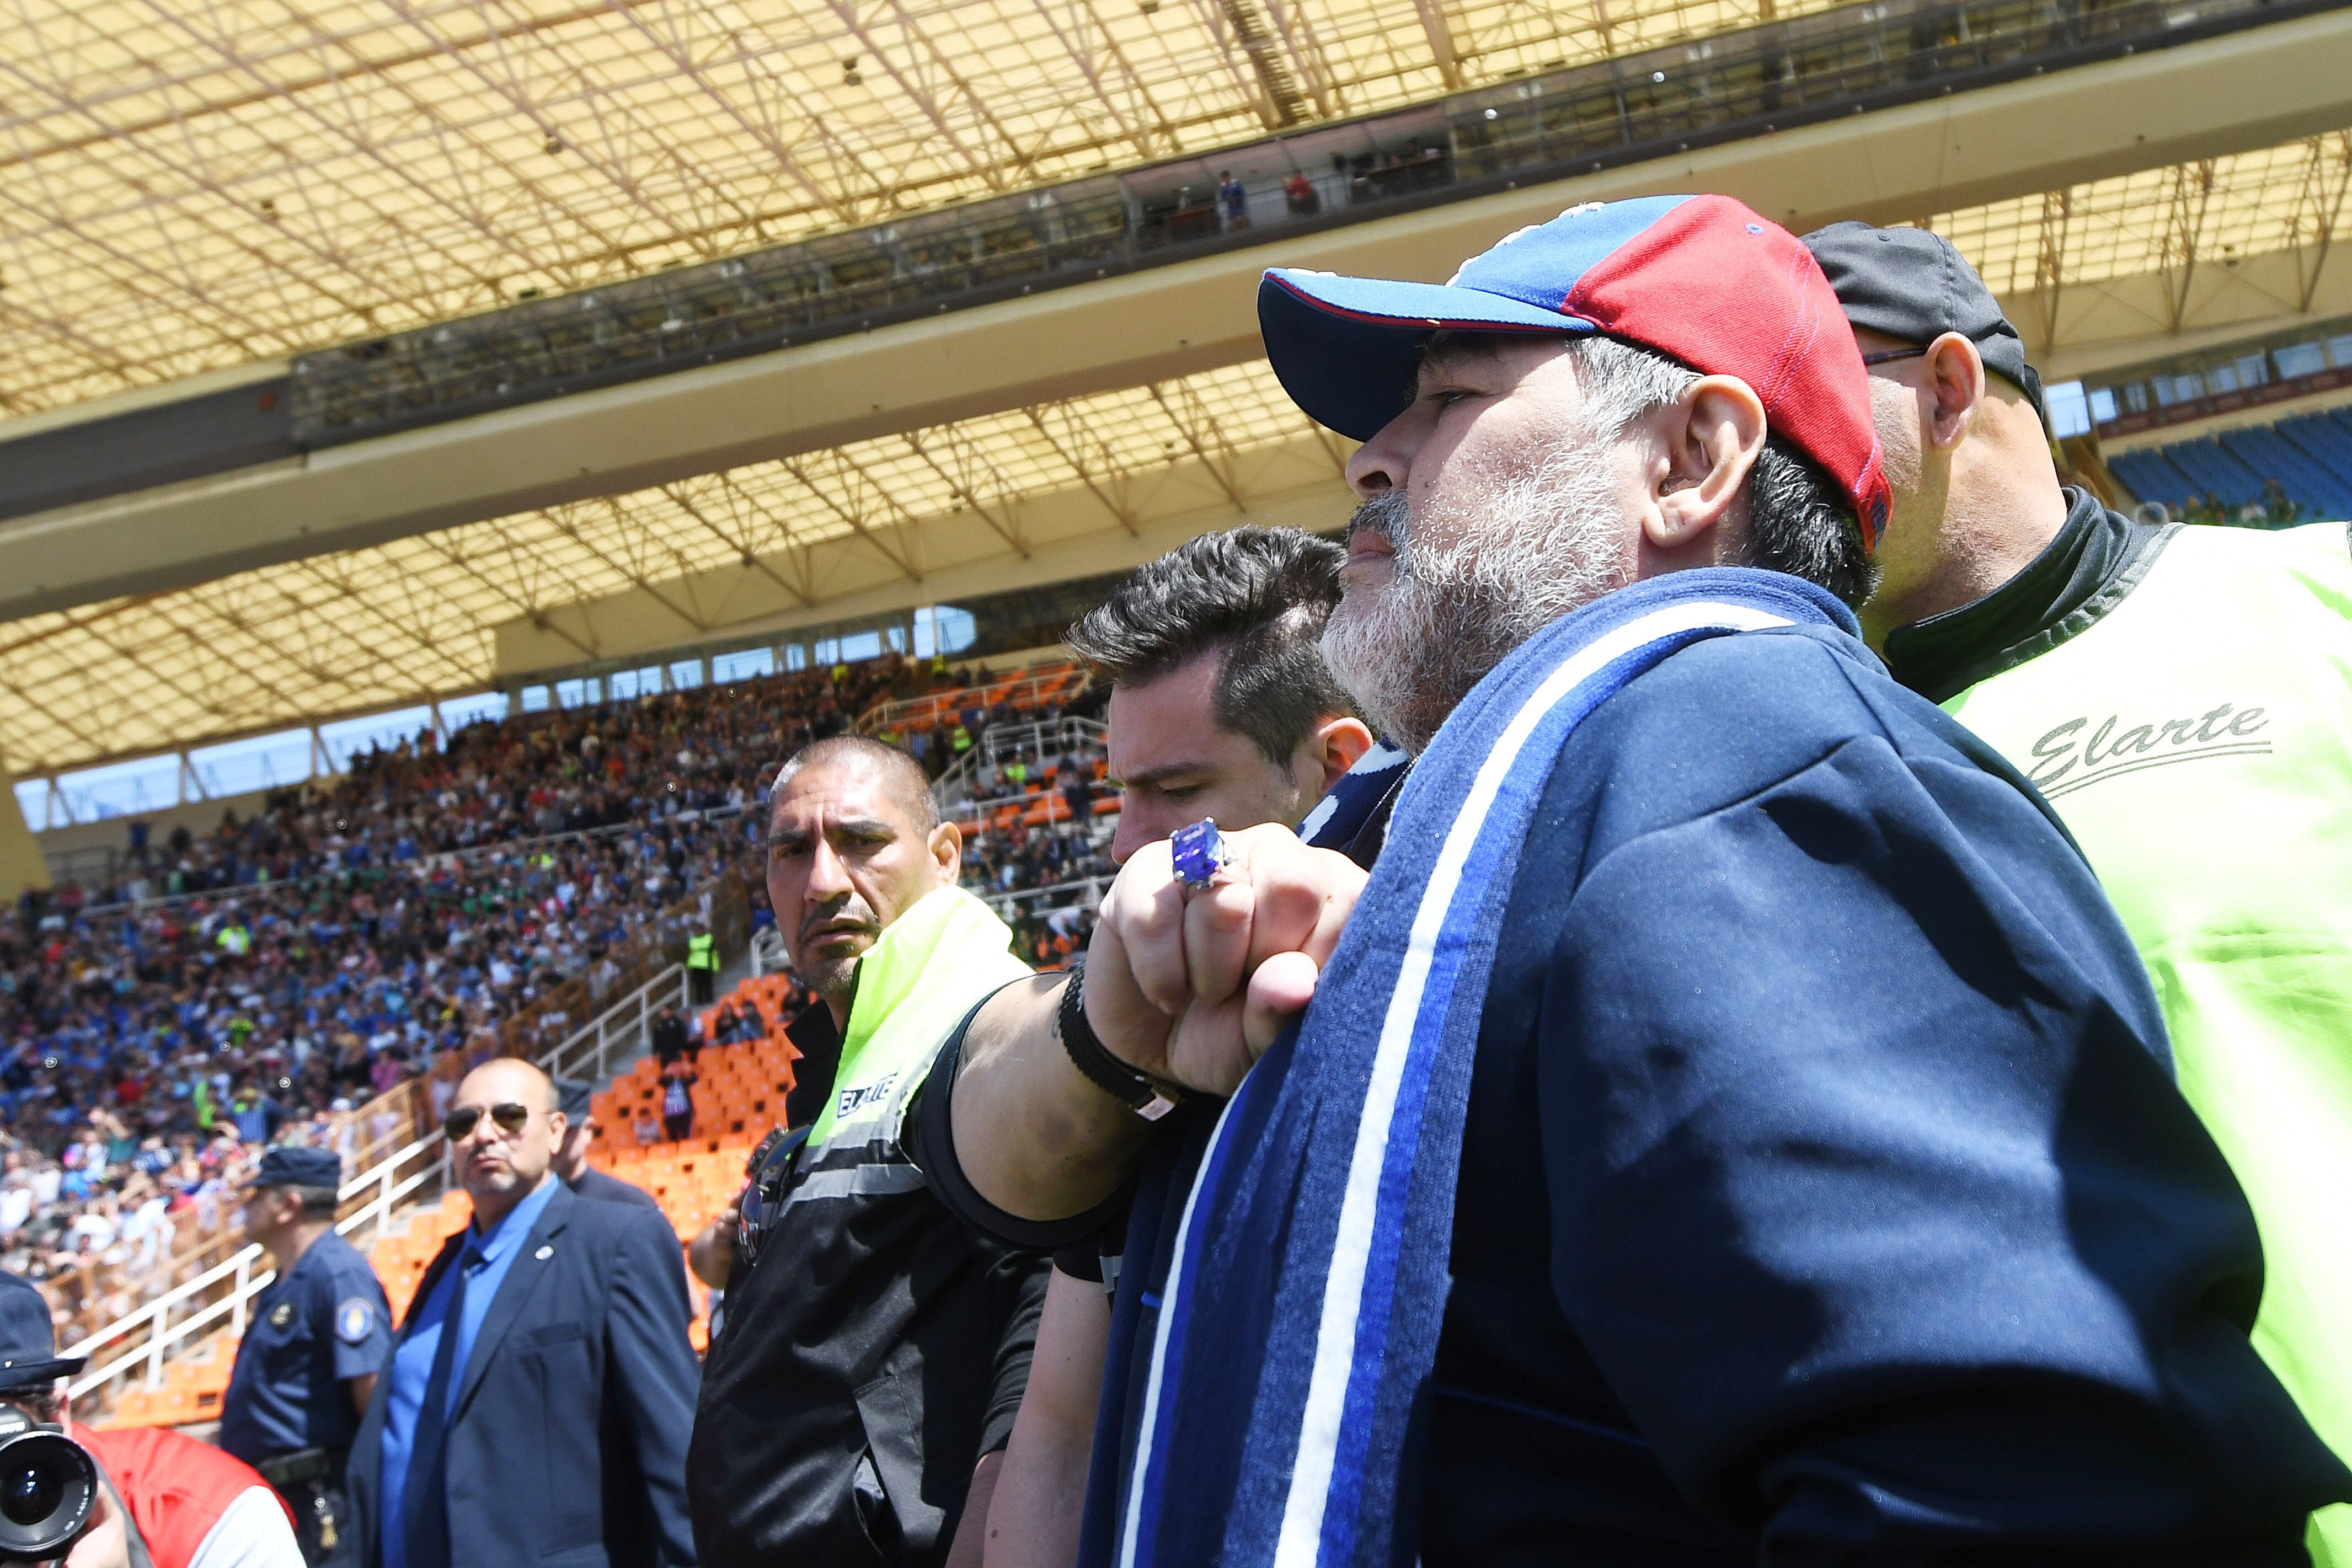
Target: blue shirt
(485, 1262)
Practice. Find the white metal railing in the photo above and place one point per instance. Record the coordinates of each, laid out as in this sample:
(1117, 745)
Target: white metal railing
(933, 708)
(616, 1036)
(251, 1276)
(768, 952)
(1087, 893)
(620, 1031)
(1066, 736)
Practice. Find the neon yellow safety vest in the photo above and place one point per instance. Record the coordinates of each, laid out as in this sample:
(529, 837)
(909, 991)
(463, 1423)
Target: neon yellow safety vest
(702, 951)
(2197, 740)
(927, 969)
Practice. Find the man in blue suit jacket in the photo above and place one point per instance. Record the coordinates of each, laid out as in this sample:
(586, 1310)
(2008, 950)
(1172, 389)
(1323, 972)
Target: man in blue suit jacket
(539, 1399)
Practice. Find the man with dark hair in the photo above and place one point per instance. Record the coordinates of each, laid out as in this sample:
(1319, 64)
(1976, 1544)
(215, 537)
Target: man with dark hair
(874, 1349)
(668, 1035)
(1730, 1126)
(1220, 707)
(313, 1346)
(2146, 676)
(1219, 702)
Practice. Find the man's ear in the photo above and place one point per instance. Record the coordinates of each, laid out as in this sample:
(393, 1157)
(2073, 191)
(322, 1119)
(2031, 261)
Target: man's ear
(1711, 434)
(1954, 376)
(1335, 746)
(946, 844)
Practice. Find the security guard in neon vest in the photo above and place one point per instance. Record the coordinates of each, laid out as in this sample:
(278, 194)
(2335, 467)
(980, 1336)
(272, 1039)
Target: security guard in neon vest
(2182, 697)
(313, 1343)
(702, 966)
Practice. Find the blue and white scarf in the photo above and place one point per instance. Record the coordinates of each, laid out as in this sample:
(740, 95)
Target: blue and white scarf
(1341, 817)
(1300, 1317)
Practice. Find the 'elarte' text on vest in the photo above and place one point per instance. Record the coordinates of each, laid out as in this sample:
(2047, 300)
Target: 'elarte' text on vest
(2067, 758)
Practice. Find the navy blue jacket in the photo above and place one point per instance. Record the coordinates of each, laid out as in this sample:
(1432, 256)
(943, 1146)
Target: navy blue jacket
(567, 1446)
(1825, 1197)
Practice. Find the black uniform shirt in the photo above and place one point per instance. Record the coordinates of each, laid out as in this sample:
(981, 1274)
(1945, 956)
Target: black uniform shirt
(317, 1326)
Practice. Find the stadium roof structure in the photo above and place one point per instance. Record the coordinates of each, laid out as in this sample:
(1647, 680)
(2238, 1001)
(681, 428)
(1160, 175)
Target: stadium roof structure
(354, 631)
(348, 631)
(2173, 221)
(189, 186)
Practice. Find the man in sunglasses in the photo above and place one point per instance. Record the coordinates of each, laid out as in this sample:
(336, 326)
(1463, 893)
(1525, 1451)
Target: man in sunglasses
(538, 1400)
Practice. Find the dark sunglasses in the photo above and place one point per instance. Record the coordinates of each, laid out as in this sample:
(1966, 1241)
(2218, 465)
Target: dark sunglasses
(510, 1118)
(1885, 356)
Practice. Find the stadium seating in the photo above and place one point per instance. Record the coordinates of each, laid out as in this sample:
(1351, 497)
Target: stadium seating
(2308, 456)
(1054, 683)
(741, 1089)
(740, 1085)
(192, 1387)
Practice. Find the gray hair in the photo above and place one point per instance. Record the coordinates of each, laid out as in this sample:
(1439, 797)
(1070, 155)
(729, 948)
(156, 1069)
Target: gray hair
(1798, 518)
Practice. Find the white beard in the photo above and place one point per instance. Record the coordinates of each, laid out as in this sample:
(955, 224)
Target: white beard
(1522, 554)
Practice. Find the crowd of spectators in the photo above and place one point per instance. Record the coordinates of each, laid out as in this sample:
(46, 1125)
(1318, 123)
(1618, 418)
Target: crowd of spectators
(259, 981)
(1044, 878)
(2276, 509)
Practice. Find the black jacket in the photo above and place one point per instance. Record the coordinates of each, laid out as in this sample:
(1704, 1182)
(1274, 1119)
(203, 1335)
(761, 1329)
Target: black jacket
(604, 1188)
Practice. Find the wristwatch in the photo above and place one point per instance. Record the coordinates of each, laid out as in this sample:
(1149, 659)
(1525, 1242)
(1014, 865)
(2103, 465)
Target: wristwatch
(1140, 1093)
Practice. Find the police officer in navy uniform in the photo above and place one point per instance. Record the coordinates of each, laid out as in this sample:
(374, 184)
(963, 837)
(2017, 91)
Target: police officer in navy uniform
(313, 1344)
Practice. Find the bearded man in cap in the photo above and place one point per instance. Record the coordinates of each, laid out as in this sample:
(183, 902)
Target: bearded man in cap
(1730, 1126)
(2147, 676)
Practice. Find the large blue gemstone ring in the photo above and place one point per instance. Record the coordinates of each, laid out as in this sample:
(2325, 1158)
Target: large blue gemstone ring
(1199, 851)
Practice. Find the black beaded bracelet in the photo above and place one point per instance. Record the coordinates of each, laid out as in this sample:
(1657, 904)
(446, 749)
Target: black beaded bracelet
(1134, 1089)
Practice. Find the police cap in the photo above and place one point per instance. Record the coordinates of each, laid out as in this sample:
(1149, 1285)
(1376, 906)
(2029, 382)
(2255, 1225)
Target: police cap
(288, 1164)
(28, 1345)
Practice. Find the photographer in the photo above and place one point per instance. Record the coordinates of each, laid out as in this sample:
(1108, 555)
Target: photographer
(163, 1501)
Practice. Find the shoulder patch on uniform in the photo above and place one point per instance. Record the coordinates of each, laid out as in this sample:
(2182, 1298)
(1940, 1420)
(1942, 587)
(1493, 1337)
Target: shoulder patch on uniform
(355, 1320)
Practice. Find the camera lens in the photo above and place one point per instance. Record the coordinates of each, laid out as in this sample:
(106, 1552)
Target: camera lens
(47, 1485)
(29, 1494)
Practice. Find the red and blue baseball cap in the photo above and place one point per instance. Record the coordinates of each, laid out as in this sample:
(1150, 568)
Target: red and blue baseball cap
(1701, 280)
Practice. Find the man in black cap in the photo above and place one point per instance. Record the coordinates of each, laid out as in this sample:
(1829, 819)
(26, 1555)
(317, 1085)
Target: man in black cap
(1960, 423)
(2180, 695)
(313, 1343)
(576, 1100)
(163, 1500)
